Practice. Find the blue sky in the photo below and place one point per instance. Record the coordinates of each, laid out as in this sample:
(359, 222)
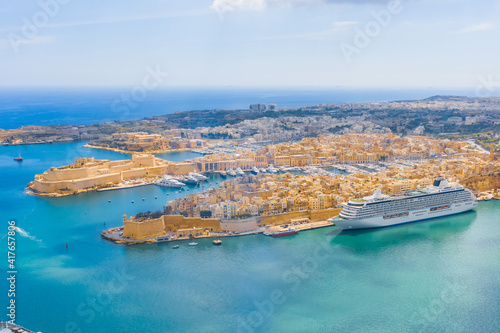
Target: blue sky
(438, 43)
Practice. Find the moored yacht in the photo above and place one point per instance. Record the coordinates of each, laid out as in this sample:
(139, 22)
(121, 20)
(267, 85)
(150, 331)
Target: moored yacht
(255, 170)
(198, 176)
(190, 180)
(239, 172)
(272, 169)
(169, 182)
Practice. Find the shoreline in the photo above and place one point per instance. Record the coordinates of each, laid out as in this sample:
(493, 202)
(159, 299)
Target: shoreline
(120, 186)
(113, 234)
(128, 152)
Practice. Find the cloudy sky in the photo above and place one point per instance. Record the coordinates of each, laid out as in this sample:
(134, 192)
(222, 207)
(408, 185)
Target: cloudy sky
(349, 43)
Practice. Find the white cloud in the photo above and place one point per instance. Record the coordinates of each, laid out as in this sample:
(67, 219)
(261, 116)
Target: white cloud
(117, 20)
(14, 41)
(476, 28)
(344, 23)
(222, 6)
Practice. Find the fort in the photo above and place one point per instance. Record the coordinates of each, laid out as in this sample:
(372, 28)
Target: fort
(88, 174)
(178, 227)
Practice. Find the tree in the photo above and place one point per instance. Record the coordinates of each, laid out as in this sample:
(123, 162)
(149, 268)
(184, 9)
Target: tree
(205, 214)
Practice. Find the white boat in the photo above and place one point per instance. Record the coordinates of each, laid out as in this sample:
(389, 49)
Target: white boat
(169, 182)
(198, 176)
(190, 180)
(282, 169)
(255, 170)
(272, 169)
(296, 168)
(239, 172)
(380, 210)
(193, 244)
(263, 170)
(231, 173)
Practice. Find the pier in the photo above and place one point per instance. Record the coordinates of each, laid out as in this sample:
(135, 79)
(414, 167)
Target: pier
(116, 234)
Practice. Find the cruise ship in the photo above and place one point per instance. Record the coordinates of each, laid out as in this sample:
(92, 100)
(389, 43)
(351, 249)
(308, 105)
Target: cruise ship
(380, 210)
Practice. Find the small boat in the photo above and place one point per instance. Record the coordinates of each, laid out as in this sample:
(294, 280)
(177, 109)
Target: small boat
(284, 233)
(193, 244)
(255, 171)
(217, 242)
(231, 173)
(19, 158)
(223, 174)
(263, 170)
(175, 246)
(240, 172)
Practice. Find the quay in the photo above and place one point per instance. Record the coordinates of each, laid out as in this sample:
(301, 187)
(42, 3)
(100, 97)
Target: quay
(116, 234)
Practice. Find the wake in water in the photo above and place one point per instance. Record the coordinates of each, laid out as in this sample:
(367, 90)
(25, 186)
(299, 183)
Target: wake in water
(25, 234)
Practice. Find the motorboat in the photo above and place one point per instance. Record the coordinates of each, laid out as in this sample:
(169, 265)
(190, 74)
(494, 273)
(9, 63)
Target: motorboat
(190, 180)
(255, 170)
(169, 182)
(198, 176)
(231, 173)
(272, 169)
(240, 172)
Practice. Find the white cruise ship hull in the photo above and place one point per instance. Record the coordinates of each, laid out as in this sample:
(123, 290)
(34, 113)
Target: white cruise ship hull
(406, 217)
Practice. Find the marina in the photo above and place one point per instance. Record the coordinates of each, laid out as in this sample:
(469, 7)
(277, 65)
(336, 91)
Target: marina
(413, 255)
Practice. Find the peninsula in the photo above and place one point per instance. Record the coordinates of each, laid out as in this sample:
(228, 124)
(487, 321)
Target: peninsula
(442, 116)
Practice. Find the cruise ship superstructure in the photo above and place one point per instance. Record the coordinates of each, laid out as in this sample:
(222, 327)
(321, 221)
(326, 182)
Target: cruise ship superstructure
(381, 210)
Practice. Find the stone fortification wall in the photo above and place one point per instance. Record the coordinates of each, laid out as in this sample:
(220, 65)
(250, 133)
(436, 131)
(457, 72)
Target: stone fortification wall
(75, 185)
(313, 216)
(167, 223)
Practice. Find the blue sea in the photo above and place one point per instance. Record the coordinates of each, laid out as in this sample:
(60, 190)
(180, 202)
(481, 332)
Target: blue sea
(441, 275)
(50, 106)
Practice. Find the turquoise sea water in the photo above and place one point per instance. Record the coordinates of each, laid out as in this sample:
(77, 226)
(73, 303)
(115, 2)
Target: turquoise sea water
(441, 275)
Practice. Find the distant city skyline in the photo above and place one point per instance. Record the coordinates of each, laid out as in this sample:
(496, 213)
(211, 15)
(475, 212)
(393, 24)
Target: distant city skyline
(212, 43)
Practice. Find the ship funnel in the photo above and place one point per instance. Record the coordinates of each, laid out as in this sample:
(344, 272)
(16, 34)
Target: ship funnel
(377, 194)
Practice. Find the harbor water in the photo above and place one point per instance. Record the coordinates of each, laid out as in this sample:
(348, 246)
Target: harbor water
(441, 275)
